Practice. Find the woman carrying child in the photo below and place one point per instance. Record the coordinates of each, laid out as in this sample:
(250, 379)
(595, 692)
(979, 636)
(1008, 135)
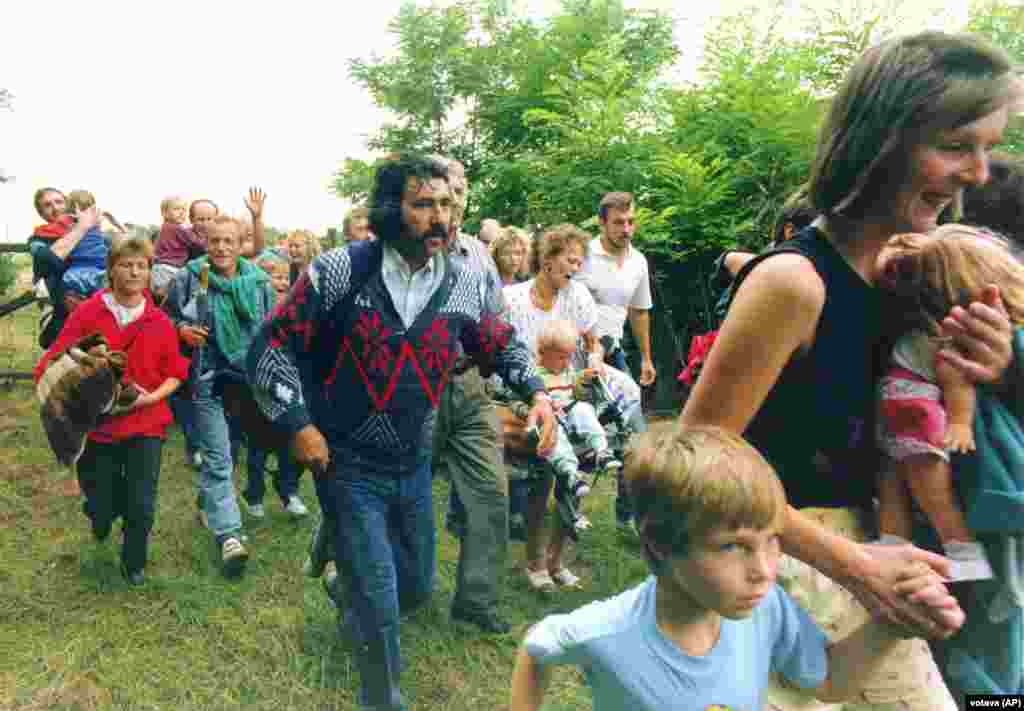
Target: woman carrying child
(553, 295)
(120, 467)
(912, 125)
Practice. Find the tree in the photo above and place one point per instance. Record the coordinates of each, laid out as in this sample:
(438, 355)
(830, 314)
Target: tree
(1002, 23)
(466, 77)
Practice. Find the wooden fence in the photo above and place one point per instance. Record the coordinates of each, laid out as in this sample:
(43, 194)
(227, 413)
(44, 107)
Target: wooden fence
(6, 309)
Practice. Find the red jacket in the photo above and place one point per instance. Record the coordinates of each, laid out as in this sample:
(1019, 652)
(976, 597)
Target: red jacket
(151, 345)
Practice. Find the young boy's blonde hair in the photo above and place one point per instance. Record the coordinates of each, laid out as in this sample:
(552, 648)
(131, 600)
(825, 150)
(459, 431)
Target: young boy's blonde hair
(558, 333)
(78, 200)
(169, 202)
(686, 482)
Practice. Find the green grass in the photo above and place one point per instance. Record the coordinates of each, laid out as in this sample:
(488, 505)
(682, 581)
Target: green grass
(74, 636)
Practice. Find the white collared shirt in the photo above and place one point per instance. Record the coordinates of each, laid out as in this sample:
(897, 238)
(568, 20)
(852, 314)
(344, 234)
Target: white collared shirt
(410, 291)
(615, 289)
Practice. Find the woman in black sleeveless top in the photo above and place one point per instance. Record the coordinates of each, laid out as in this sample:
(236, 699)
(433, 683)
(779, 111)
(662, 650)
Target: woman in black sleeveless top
(793, 365)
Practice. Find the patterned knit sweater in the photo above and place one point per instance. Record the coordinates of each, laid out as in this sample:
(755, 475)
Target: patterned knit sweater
(345, 362)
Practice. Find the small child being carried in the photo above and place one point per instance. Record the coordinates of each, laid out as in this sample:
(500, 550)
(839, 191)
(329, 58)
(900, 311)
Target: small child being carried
(177, 244)
(574, 403)
(926, 406)
(83, 271)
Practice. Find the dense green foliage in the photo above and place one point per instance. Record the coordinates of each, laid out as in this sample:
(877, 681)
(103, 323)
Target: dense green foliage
(550, 113)
(8, 273)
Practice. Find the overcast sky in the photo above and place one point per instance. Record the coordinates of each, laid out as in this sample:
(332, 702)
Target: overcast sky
(137, 101)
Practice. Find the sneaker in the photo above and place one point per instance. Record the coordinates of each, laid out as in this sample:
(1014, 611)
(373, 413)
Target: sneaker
(255, 510)
(330, 583)
(487, 620)
(565, 578)
(197, 460)
(321, 550)
(233, 557)
(581, 488)
(540, 580)
(295, 507)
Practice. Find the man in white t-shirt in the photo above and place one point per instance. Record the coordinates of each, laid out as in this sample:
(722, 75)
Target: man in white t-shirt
(616, 274)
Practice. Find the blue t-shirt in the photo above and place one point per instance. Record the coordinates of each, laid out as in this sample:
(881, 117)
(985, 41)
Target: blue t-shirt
(631, 666)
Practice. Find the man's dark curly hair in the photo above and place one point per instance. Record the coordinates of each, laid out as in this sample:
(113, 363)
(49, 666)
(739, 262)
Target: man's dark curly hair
(388, 187)
(999, 203)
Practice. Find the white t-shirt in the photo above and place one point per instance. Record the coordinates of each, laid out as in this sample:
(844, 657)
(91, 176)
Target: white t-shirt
(573, 303)
(616, 289)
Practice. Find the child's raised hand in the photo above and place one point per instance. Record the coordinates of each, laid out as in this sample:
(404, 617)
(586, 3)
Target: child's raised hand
(254, 201)
(960, 438)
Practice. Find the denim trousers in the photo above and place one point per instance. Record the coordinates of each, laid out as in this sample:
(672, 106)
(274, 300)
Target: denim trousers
(384, 528)
(286, 478)
(184, 415)
(120, 479)
(216, 488)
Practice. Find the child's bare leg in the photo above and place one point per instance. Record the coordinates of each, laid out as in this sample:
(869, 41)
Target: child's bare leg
(930, 479)
(895, 514)
(556, 546)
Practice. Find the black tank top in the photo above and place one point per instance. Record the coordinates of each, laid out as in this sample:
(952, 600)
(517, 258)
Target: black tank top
(823, 402)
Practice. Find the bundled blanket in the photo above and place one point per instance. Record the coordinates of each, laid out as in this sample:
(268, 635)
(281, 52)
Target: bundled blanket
(78, 389)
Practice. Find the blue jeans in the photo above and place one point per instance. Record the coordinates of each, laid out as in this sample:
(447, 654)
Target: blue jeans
(286, 478)
(184, 415)
(384, 528)
(216, 489)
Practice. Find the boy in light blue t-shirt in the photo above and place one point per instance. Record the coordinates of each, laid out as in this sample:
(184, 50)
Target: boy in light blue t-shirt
(708, 627)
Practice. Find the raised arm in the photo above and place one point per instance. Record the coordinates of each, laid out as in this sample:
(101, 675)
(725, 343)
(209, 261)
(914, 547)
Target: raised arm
(87, 219)
(255, 202)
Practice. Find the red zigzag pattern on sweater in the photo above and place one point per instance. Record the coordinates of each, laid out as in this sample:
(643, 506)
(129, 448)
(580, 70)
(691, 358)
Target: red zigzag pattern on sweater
(380, 400)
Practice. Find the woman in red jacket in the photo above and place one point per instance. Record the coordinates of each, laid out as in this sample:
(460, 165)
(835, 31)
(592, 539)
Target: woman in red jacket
(120, 467)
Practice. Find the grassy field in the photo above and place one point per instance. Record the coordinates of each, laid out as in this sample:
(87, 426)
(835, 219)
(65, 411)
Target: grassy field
(74, 636)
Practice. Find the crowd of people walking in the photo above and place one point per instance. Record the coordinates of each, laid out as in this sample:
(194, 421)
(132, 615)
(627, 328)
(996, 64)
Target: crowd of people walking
(838, 401)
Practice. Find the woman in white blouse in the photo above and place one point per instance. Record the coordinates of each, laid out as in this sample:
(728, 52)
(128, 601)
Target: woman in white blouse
(553, 294)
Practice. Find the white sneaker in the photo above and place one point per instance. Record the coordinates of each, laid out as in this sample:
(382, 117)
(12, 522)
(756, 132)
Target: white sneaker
(295, 507)
(255, 510)
(197, 460)
(233, 557)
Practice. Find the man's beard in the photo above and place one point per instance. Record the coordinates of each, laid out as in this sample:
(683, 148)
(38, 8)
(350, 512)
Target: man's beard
(415, 247)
